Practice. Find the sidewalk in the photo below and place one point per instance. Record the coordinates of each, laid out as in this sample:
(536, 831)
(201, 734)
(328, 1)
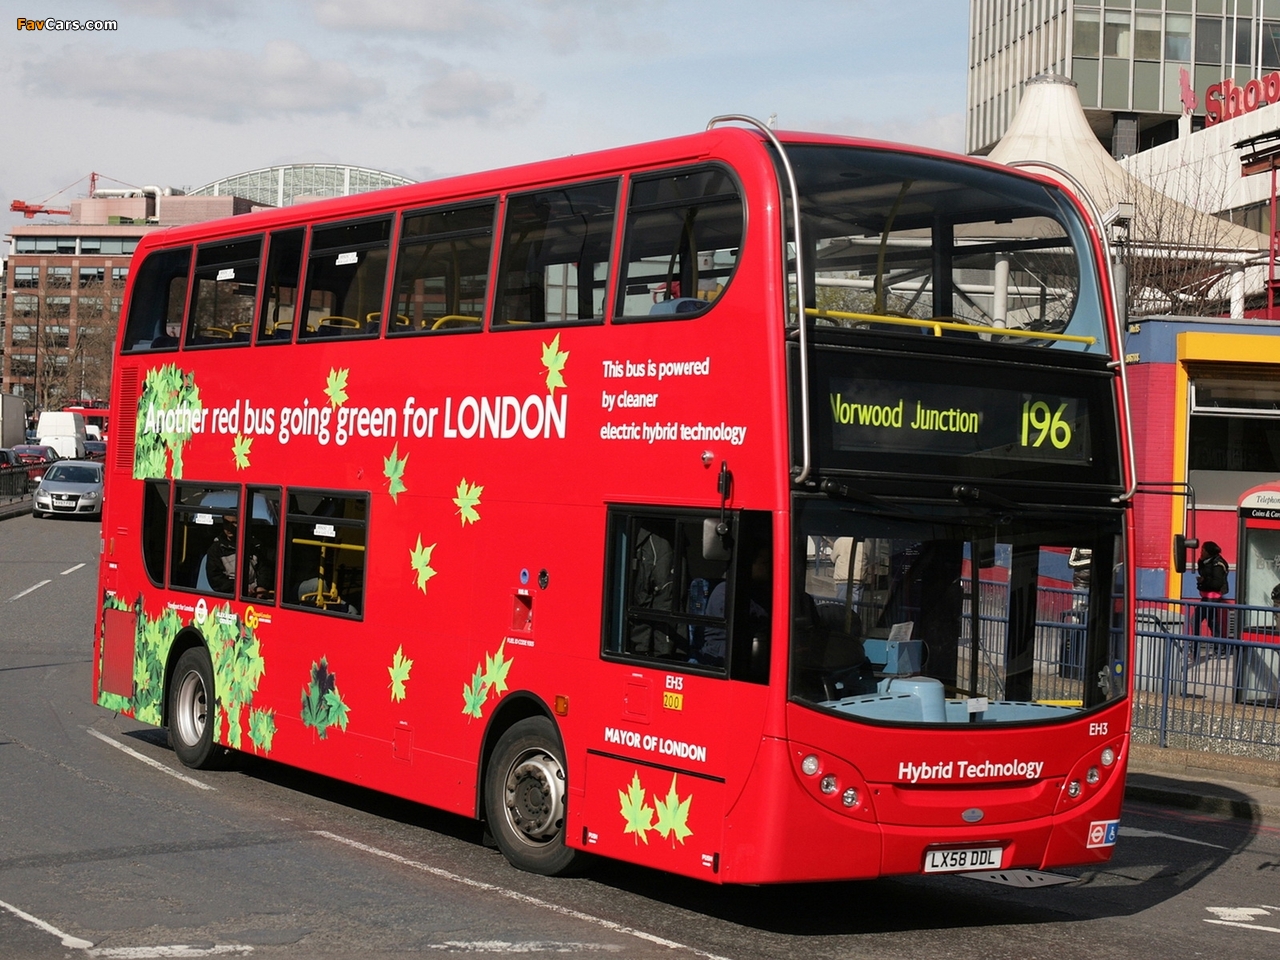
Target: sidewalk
(15, 507)
(1210, 783)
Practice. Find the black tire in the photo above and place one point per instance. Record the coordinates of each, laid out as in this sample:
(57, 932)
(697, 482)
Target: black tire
(525, 791)
(192, 711)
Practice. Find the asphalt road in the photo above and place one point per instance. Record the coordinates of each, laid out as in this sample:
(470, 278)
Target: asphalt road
(109, 848)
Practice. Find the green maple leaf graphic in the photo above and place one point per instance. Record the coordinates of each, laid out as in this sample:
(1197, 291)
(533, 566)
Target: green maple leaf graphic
(399, 671)
(467, 500)
(637, 813)
(336, 386)
(673, 815)
(240, 450)
(262, 729)
(496, 668)
(554, 360)
(473, 696)
(393, 470)
(420, 561)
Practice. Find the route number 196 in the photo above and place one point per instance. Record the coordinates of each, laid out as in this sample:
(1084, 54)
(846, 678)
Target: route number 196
(1038, 415)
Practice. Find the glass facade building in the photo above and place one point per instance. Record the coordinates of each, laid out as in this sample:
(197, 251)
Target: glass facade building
(1135, 62)
(280, 186)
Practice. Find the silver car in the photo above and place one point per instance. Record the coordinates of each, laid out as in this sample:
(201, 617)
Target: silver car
(72, 487)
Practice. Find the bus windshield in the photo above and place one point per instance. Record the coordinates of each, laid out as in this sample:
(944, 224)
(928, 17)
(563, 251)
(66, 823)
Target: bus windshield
(945, 615)
(909, 244)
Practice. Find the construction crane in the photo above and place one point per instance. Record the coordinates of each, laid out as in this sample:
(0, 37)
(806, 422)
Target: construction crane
(29, 210)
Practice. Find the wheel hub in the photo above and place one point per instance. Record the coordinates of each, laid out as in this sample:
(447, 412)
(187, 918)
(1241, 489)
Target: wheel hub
(535, 797)
(192, 709)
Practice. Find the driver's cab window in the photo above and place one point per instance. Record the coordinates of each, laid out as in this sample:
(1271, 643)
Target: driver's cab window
(690, 590)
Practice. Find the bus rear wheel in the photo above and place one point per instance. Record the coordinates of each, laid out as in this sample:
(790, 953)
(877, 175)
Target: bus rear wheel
(524, 798)
(192, 711)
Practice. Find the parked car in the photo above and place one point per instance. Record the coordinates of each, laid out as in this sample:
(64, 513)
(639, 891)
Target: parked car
(70, 487)
(95, 450)
(13, 478)
(37, 457)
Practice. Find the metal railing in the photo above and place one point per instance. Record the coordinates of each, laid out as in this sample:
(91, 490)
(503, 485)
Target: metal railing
(1206, 675)
(15, 481)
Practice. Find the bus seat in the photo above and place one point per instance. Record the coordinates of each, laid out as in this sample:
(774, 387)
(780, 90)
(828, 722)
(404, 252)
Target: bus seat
(678, 306)
(202, 576)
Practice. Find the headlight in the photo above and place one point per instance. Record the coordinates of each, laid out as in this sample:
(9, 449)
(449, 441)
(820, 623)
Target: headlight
(90, 495)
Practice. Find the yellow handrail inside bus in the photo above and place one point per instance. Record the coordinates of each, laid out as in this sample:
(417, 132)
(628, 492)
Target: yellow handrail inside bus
(454, 320)
(938, 325)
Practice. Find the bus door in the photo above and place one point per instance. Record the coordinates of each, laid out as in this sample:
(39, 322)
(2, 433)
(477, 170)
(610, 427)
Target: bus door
(686, 645)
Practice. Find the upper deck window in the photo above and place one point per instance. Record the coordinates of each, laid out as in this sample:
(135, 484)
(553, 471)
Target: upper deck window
(442, 271)
(346, 273)
(280, 292)
(159, 297)
(555, 254)
(223, 294)
(683, 236)
(898, 243)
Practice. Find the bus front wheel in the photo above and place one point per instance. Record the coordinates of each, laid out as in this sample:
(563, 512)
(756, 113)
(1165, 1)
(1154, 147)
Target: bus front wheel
(192, 710)
(524, 798)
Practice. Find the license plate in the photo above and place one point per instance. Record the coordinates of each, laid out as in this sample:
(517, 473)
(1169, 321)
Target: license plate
(970, 858)
(64, 503)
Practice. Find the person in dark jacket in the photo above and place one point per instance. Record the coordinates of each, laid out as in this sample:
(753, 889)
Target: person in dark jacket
(1211, 581)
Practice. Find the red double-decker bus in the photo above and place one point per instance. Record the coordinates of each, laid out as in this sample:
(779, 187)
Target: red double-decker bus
(603, 500)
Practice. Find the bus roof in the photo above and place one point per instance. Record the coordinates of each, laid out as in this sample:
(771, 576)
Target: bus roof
(684, 149)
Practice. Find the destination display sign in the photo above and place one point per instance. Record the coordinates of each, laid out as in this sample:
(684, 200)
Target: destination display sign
(881, 416)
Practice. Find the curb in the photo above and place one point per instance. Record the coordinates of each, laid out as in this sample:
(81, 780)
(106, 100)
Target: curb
(1216, 785)
(15, 508)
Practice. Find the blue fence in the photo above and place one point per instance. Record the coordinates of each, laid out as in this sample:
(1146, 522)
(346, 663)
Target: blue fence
(1206, 676)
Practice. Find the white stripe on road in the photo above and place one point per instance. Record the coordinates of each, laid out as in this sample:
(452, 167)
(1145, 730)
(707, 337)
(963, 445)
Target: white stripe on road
(1136, 832)
(72, 569)
(1243, 926)
(66, 938)
(175, 950)
(19, 596)
(147, 760)
(518, 897)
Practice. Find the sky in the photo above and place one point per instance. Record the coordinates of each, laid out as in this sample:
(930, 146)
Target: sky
(185, 92)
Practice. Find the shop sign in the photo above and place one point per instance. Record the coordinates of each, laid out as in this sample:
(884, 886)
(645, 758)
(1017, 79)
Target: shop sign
(1227, 100)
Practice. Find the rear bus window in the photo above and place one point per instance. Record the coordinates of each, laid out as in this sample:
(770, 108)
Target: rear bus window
(280, 292)
(324, 552)
(158, 300)
(684, 231)
(224, 291)
(346, 273)
(155, 528)
(555, 255)
(442, 270)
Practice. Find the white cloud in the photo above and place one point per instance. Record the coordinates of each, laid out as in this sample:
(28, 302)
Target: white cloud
(206, 11)
(441, 18)
(454, 92)
(219, 84)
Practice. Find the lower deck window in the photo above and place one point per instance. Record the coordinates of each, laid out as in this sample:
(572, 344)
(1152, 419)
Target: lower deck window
(325, 539)
(685, 594)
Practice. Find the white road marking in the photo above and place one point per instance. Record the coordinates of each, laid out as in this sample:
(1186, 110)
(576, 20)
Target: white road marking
(176, 950)
(72, 569)
(1247, 926)
(1136, 832)
(1242, 917)
(19, 596)
(526, 946)
(153, 763)
(518, 897)
(66, 938)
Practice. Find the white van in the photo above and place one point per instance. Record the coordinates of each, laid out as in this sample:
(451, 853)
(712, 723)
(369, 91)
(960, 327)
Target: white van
(64, 432)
